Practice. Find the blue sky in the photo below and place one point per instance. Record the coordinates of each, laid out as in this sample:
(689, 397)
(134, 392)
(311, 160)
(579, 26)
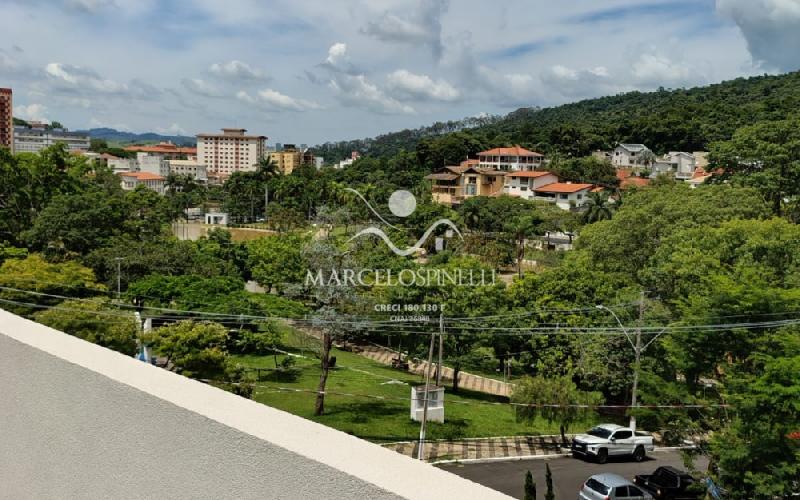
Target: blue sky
(316, 70)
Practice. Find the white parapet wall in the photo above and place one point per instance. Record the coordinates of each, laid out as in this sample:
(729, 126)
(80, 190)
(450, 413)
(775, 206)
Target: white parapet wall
(80, 421)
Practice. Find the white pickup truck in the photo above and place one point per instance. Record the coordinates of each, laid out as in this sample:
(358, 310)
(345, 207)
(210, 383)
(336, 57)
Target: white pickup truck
(608, 440)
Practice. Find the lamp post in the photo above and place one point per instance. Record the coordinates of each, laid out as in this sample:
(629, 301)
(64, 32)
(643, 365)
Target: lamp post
(637, 349)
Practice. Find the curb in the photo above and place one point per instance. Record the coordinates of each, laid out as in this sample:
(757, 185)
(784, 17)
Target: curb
(536, 457)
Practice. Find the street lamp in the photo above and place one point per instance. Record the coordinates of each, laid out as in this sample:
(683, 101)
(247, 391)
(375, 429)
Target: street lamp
(637, 349)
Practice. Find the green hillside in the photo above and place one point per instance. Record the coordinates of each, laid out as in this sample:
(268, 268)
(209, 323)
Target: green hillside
(682, 119)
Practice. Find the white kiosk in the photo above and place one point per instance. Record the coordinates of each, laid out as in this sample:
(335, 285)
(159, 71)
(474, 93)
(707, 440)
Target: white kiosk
(435, 395)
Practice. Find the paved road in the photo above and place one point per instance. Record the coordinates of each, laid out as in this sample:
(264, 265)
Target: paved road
(568, 473)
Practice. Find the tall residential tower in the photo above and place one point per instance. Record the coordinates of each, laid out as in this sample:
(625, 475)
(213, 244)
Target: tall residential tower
(231, 151)
(6, 120)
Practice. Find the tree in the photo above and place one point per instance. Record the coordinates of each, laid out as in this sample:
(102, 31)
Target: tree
(77, 223)
(277, 261)
(93, 321)
(34, 274)
(765, 155)
(530, 486)
(759, 453)
(521, 228)
(193, 349)
(539, 392)
(597, 208)
(548, 478)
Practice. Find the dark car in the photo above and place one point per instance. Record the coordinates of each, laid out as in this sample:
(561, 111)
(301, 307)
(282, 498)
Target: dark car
(669, 483)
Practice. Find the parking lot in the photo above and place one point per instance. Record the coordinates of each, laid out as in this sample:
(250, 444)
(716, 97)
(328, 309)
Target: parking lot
(568, 473)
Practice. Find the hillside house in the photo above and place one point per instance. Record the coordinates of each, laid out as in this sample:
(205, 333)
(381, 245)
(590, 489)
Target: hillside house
(523, 183)
(628, 155)
(506, 159)
(452, 185)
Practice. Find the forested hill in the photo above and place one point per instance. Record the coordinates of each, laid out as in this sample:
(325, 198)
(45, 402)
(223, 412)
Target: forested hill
(683, 119)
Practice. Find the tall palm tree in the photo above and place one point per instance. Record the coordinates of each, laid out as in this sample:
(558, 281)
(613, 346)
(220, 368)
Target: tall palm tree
(597, 208)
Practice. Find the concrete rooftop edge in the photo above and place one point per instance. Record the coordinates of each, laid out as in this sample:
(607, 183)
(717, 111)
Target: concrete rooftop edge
(383, 468)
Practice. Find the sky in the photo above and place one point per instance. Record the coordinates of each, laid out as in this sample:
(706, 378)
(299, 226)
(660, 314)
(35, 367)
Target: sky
(311, 71)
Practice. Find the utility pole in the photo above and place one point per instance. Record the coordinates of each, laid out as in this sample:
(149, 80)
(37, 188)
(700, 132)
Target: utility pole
(119, 278)
(421, 449)
(638, 350)
(441, 349)
(266, 201)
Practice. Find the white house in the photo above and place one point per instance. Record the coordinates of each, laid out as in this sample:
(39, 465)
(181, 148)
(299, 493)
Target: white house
(130, 180)
(566, 195)
(191, 168)
(523, 183)
(677, 163)
(505, 159)
(627, 155)
(120, 165)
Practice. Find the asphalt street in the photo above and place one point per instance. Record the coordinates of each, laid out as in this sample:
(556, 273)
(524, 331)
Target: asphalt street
(569, 473)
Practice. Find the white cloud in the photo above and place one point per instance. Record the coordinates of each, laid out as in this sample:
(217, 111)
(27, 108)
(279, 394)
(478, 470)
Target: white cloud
(173, 129)
(414, 86)
(771, 28)
(34, 112)
(337, 53)
(273, 99)
(82, 81)
(97, 123)
(90, 6)
(421, 27)
(581, 83)
(658, 70)
(237, 71)
(354, 90)
(200, 87)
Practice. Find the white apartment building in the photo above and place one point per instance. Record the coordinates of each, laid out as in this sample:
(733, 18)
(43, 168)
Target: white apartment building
(505, 159)
(34, 139)
(231, 151)
(122, 165)
(154, 164)
(628, 155)
(191, 168)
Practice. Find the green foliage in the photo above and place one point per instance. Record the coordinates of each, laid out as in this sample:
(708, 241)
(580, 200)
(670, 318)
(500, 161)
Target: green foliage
(539, 391)
(588, 169)
(277, 261)
(766, 156)
(93, 321)
(626, 243)
(759, 454)
(35, 274)
(548, 478)
(165, 256)
(530, 487)
(193, 349)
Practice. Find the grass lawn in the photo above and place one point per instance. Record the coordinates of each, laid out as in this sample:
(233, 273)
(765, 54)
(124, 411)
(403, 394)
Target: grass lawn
(385, 420)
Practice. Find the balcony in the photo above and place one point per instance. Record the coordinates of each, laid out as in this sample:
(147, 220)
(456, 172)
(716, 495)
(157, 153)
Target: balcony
(80, 421)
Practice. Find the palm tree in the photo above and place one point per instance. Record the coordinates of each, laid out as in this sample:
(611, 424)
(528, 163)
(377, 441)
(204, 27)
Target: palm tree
(597, 208)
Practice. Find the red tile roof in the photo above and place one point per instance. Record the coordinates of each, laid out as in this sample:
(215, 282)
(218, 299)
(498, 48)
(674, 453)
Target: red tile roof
(468, 163)
(515, 151)
(563, 187)
(528, 174)
(142, 176)
(163, 147)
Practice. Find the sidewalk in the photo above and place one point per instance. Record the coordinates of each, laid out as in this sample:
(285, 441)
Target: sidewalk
(482, 448)
(466, 380)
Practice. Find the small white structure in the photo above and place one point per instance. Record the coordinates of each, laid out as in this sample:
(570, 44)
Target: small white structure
(217, 219)
(435, 395)
(676, 163)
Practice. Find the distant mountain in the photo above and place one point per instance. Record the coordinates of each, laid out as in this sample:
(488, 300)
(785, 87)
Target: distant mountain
(115, 136)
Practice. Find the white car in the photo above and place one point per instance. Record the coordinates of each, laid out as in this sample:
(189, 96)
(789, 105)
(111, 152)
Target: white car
(608, 440)
(611, 487)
